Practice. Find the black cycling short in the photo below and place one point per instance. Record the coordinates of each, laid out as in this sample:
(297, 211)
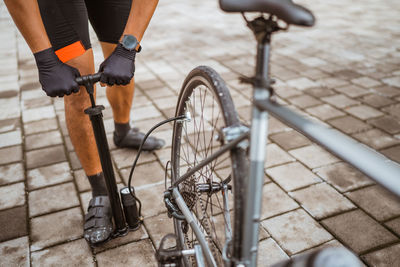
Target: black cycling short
(66, 23)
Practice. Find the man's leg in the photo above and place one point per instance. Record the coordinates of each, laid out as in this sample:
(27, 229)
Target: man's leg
(120, 98)
(78, 123)
(98, 226)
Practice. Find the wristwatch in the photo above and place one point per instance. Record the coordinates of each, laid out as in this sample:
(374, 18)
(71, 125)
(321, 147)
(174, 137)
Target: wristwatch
(129, 42)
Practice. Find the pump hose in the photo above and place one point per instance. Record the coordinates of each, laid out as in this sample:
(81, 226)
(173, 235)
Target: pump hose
(181, 117)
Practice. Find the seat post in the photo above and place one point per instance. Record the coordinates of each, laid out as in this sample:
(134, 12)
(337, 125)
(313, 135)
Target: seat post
(262, 29)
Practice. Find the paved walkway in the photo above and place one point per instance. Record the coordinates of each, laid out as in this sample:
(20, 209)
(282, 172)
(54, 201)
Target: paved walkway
(344, 72)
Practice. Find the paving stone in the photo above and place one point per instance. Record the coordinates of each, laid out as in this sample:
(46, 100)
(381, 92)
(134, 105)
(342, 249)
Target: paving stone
(9, 108)
(12, 195)
(10, 154)
(292, 176)
(43, 140)
(45, 156)
(85, 198)
(321, 200)
(387, 257)
(270, 253)
(145, 125)
(244, 114)
(40, 126)
(296, 231)
(52, 199)
(332, 82)
(392, 81)
(343, 177)
(377, 101)
(159, 226)
(358, 231)
(36, 103)
(314, 74)
(366, 82)
(387, 91)
(340, 101)
(13, 223)
(287, 92)
(376, 139)
(378, 202)
(276, 126)
(319, 92)
(347, 74)
(50, 175)
(81, 180)
(8, 94)
(9, 125)
(352, 90)
(36, 114)
(30, 86)
(61, 255)
(290, 140)
(330, 244)
(163, 155)
(304, 101)
(55, 228)
(394, 225)
(276, 156)
(387, 123)
(393, 153)
(302, 83)
(10, 139)
(143, 251)
(11, 173)
(125, 157)
(313, 61)
(324, 112)
(275, 201)
(152, 200)
(349, 124)
(142, 113)
(313, 156)
(393, 110)
(364, 112)
(74, 160)
(69, 145)
(145, 174)
(15, 252)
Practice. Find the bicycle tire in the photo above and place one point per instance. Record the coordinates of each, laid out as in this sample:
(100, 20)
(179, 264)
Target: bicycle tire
(205, 79)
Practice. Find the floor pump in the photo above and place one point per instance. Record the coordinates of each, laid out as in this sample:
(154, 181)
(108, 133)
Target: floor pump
(123, 221)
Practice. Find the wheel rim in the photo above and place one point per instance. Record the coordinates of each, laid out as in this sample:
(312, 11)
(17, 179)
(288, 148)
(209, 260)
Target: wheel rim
(200, 138)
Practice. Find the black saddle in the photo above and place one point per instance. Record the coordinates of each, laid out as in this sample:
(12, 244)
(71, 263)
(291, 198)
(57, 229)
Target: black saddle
(285, 10)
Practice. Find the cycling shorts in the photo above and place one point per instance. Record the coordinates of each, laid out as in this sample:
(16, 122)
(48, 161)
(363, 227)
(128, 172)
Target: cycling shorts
(66, 23)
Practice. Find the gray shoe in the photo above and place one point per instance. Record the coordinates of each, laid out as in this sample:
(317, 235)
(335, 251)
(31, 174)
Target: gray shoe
(98, 226)
(134, 138)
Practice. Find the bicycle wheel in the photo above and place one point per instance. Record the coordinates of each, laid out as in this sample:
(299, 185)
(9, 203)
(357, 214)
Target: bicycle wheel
(205, 95)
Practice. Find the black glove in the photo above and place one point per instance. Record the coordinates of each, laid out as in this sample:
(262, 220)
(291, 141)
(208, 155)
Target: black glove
(56, 78)
(119, 67)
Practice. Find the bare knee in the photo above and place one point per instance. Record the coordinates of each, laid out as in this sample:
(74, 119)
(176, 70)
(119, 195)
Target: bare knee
(80, 101)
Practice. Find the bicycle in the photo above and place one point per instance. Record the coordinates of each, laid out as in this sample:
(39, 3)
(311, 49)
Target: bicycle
(198, 196)
(205, 182)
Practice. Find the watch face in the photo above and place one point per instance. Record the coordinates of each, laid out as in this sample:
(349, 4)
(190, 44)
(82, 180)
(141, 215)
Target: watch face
(129, 42)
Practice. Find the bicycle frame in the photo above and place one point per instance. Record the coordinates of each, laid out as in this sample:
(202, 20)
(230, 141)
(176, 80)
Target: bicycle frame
(373, 164)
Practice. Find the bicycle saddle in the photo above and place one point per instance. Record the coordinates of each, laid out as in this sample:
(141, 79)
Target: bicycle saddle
(285, 10)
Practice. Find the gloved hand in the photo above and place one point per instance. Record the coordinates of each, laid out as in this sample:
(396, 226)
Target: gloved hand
(119, 67)
(56, 78)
